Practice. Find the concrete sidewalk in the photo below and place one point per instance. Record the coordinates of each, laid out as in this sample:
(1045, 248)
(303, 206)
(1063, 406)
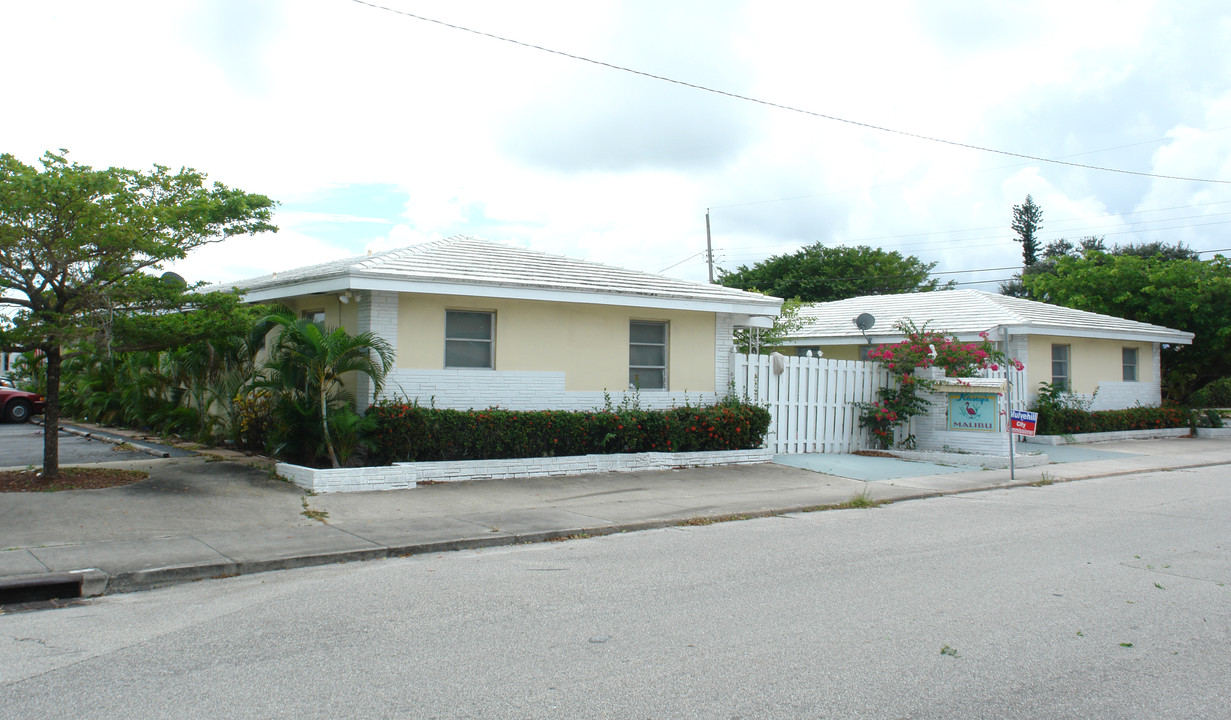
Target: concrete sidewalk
(197, 517)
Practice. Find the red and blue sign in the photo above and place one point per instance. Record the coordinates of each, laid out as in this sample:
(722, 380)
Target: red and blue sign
(1023, 422)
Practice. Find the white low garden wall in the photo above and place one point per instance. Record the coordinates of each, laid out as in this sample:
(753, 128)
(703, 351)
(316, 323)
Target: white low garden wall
(1107, 436)
(402, 476)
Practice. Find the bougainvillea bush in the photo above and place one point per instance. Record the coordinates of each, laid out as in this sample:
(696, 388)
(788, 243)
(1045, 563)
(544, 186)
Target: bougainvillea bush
(903, 398)
(407, 431)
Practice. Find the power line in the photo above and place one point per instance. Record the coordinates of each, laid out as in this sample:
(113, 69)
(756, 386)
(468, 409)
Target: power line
(780, 106)
(1048, 235)
(899, 183)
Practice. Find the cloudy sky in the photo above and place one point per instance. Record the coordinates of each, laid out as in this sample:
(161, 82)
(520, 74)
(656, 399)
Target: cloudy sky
(375, 130)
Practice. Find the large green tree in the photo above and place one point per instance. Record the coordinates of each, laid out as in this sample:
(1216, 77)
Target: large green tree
(820, 274)
(77, 251)
(1170, 288)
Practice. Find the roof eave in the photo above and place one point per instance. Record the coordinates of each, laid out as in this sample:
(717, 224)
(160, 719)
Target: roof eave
(759, 305)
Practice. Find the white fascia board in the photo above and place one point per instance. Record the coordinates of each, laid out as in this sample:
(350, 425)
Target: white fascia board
(342, 283)
(996, 333)
(336, 284)
(1175, 337)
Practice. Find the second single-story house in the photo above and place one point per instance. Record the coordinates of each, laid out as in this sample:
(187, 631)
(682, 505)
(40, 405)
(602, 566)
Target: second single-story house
(477, 324)
(1110, 360)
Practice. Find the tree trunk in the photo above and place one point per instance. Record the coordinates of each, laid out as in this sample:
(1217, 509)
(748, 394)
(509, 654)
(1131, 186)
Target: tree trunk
(51, 417)
(333, 458)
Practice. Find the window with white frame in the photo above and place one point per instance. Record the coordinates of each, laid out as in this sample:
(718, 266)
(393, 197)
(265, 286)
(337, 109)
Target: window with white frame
(470, 339)
(314, 316)
(647, 355)
(1130, 364)
(1060, 371)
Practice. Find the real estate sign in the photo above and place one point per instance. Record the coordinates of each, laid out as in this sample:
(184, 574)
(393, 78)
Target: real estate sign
(1023, 422)
(973, 411)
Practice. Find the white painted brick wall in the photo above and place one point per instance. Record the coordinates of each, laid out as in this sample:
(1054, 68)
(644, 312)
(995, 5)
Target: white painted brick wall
(1121, 395)
(407, 475)
(378, 313)
(724, 344)
(462, 389)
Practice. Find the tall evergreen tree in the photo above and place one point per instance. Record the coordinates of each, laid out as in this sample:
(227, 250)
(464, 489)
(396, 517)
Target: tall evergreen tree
(1027, 222)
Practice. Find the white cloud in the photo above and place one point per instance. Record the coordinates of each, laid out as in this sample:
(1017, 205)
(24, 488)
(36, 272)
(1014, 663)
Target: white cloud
(293, 99)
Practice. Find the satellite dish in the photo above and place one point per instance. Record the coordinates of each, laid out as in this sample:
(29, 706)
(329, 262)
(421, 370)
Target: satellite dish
(171, 278)
(864, 322)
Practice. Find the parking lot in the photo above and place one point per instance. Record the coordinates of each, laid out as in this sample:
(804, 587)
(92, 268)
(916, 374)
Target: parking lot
(21, 445)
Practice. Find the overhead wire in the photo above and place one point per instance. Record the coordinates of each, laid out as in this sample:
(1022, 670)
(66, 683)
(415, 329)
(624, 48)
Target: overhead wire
(782, 106)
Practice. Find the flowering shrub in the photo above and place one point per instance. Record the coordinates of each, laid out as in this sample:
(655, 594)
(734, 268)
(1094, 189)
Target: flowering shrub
(405, 432)
(253, 413)
(902, 399)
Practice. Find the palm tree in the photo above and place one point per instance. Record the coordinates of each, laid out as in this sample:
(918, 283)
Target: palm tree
(307, 362)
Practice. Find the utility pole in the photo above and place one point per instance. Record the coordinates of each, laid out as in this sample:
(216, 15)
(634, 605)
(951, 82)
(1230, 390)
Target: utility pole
(709, 247)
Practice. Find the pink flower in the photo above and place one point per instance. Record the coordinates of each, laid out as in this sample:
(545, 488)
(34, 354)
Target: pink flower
(995, 366)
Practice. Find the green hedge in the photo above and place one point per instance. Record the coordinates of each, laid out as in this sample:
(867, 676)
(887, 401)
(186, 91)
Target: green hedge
(1071, 421)
(404, 432)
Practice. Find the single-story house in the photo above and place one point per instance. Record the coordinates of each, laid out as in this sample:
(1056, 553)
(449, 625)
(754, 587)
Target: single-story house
(477, 324)
(1112, 360)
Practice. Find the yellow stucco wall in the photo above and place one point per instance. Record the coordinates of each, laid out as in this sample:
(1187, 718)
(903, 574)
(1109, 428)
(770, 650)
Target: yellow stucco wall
(337, 314)
(588, 343)
(1091, 361)
(840, 352)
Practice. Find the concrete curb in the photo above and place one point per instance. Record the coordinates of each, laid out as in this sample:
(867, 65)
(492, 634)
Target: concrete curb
(108, 438)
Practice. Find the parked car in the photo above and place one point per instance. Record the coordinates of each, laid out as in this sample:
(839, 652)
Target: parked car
(17, 406)
(6, 381)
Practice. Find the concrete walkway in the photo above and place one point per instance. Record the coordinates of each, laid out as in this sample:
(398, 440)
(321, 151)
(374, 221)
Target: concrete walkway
(199, 517)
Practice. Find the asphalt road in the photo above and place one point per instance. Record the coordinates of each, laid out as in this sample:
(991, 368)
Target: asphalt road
(21, 445)
(1102, 598)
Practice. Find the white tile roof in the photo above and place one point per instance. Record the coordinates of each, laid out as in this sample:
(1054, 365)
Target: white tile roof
(466, 265)
(966, 313)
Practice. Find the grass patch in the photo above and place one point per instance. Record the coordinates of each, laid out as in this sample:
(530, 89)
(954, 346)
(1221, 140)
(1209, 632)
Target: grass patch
(1044, 480)
(317, 515)
(861, 500)
(946, 650)
(71, 478)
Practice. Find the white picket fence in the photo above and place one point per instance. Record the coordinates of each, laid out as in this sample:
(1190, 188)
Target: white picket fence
(811, 400)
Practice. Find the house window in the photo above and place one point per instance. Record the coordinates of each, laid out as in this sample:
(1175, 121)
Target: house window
(647, 355)
(1060, 375)
(314, 316)
(1130, 364)
(469, 339)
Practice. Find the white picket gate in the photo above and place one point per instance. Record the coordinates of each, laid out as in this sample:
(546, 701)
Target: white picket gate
(811, 400)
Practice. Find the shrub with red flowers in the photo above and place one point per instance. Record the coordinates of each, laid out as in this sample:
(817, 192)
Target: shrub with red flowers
(407, 432)
(902, 398)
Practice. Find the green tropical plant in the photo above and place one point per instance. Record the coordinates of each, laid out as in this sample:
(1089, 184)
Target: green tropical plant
(304, 370)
